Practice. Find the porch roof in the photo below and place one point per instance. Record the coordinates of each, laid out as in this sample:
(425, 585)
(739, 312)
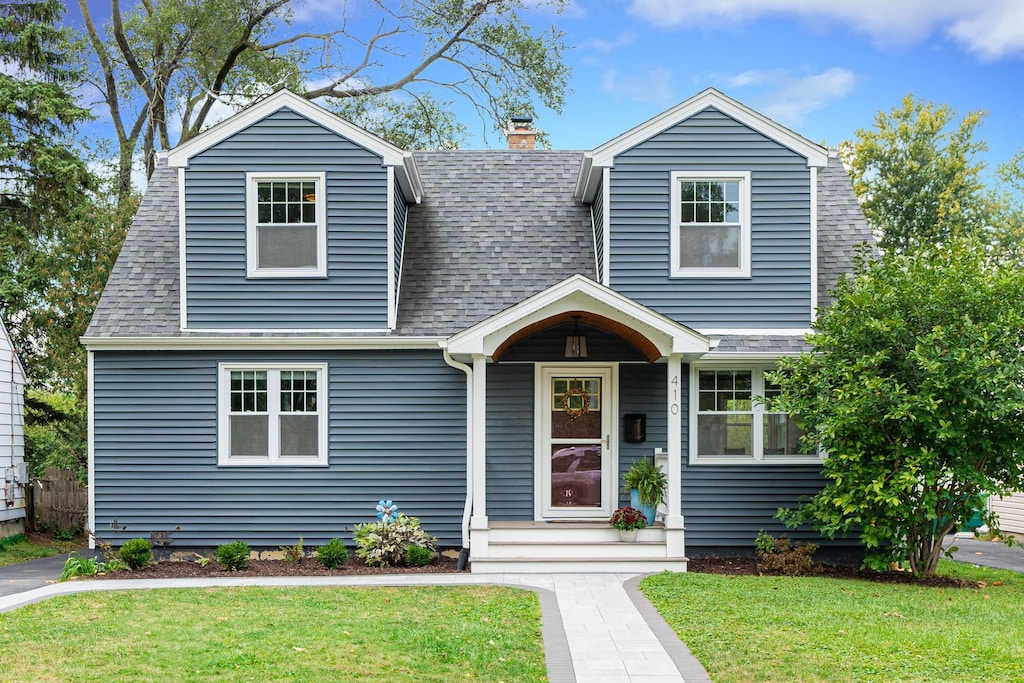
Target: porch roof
(653, 334)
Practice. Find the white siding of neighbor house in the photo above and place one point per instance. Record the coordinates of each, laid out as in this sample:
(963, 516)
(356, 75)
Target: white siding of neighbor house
(1011, 512)
(12, 434)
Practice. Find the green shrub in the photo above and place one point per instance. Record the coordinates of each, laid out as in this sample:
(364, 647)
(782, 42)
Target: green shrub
(78, 565)
(418, 556)
(383, 544)
(781, 556)
(12, 540)
(293, 553)
(136, 553)
(332, 555)
(69, 534)
(233, 556)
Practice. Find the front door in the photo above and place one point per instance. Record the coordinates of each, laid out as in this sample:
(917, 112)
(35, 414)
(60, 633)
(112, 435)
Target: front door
(576, 461)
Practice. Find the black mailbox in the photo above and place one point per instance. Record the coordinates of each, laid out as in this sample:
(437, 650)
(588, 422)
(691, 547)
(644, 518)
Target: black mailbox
(636, 428)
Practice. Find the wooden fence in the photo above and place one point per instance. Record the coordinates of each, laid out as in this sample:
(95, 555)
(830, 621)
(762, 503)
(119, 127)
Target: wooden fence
(57, 502)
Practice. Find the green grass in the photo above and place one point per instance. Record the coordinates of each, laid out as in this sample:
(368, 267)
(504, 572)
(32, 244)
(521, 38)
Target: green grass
(18, 549)
(434, 633)
(768, 628)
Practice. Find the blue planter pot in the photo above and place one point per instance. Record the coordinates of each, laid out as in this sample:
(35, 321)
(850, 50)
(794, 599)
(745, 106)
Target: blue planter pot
(648, 510)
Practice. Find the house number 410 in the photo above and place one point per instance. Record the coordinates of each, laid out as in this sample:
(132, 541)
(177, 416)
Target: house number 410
(673, 407)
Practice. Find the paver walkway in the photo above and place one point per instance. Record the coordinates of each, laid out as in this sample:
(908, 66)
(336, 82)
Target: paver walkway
(598, 628)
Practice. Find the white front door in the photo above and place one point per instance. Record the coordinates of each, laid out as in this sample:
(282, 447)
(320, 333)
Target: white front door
(576, 461)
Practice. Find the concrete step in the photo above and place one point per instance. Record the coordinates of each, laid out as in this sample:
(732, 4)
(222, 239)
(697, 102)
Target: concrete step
(564, 565)
(567, 533)
(584, 550)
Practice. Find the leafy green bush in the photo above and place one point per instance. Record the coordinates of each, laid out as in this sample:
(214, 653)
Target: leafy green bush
(781, 556)
(136, 553)
(383, 544)
(78, 565)
(418, 556)
(69, 534)
(233, 556)
(332, 555)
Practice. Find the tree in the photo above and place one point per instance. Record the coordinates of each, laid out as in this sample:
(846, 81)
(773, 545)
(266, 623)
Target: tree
(917, 175)
(915, 390)
(175, 60)
(42, 180)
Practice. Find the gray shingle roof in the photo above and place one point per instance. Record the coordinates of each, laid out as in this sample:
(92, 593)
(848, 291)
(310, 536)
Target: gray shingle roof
(841, 226)
(494, 228)
(141, 296)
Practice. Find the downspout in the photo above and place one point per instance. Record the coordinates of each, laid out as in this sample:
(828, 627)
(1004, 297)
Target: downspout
(468, 508)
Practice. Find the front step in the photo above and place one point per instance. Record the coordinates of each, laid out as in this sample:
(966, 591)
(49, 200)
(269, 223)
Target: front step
(564, 565)
(584, 550)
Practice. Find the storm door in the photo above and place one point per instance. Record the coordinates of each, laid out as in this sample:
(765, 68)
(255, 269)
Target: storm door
(577, 473)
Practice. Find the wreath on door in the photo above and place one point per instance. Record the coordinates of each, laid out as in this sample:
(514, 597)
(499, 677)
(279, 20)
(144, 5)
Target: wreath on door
(584, 403)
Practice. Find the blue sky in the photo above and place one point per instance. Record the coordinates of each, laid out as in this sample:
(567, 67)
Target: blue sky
(821, 67)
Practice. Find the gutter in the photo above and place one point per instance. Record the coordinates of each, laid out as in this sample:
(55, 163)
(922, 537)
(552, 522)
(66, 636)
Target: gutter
(468, 507)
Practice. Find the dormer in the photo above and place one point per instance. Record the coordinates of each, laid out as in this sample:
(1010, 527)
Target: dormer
(707, 213)
(291, 219)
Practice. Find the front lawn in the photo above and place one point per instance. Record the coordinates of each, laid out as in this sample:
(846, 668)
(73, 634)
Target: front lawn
(771, 628)
(432, 633)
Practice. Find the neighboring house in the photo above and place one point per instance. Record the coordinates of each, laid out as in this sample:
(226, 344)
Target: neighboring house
(1011, 512)
(13, 473)
(305, 319)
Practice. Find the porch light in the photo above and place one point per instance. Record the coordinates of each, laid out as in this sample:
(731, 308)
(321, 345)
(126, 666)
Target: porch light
(575, 343)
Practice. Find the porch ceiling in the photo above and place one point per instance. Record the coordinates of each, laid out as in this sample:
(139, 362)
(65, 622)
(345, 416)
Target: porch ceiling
(645, 346)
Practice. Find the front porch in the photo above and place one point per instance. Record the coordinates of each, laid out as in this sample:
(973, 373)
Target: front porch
(572, 546)
(546, 443)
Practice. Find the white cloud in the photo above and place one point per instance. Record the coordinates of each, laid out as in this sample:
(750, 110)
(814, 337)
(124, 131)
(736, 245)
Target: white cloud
(989, 30)
(788, 98)
(653, 86)
(624, 39)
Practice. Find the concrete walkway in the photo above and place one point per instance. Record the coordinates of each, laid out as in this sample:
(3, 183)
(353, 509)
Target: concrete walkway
(598, 628)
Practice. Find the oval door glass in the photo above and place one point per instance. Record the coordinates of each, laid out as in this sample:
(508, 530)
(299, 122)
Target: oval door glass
(576, 448)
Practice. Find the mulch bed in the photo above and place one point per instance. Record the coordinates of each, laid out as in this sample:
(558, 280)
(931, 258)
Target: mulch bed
(747, 566)
(168, 569)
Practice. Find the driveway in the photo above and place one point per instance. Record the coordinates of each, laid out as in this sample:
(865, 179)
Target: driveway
(18, 578)
(987, 553)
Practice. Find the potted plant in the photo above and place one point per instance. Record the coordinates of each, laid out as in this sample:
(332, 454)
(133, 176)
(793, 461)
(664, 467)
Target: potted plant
(628, 521)
(646, 483)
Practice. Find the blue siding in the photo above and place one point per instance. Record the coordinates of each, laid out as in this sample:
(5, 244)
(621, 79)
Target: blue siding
(354, 293)
(597, 209)
(778, 292)
(723, 505)
(156, 450)
(510, 436)
(401, 214)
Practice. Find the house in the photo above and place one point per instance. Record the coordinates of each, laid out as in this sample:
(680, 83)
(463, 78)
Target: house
(305, 319)
(12, 438)
(1011, 512)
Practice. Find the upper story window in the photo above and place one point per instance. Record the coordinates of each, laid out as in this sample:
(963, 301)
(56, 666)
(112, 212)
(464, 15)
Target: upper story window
(729, 424)
(273, 414)
(710, 224)
(286, 225)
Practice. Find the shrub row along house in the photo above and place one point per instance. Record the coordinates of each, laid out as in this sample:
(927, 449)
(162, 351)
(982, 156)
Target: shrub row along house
(305, 319)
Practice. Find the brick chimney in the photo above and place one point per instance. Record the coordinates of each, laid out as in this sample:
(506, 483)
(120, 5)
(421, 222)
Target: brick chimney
(521, 134)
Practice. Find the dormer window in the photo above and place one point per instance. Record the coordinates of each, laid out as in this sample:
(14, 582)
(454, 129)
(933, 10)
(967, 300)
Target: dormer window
(710, 224)
(286, 225)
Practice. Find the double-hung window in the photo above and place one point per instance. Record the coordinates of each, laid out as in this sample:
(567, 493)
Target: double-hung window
(733, 419)
(273, 414)
(286, 225)
(710, 224)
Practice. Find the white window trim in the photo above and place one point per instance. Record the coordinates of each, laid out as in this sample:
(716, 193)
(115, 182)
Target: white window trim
(743, 270)
(252, 256)
(757, 423)
(223, 410)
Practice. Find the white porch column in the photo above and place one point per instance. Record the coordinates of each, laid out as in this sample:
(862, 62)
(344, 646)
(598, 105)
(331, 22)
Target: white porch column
(478, 522)
(677, 396)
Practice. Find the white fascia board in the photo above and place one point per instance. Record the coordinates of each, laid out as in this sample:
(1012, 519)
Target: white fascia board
(814, 244)
(574, 293)
(719, 357)
(260, 343)
(391, 155)
(585, 183)
(606, 153)
(756, 332)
